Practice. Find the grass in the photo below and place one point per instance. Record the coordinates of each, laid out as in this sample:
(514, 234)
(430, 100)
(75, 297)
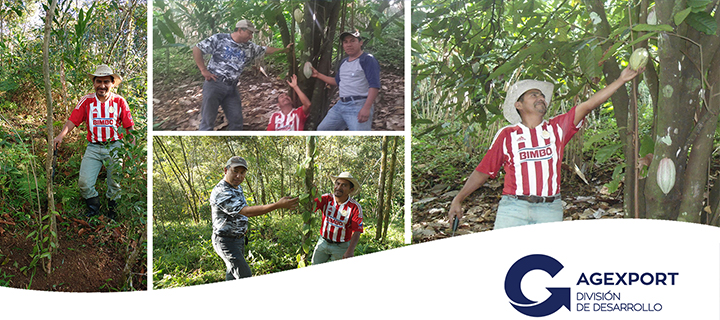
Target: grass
(184, 256)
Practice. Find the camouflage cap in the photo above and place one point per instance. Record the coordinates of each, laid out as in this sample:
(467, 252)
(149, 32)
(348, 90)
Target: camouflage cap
(246, 24)
(236, 161)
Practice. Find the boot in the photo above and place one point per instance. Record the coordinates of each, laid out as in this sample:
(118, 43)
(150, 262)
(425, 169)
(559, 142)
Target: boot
(93, 205)
(111, 209)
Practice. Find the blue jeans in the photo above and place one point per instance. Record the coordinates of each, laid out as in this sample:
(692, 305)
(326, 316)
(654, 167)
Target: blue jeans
(218, 93)
(514, 212)
(92, 162)
(232, 252)
(343, 115)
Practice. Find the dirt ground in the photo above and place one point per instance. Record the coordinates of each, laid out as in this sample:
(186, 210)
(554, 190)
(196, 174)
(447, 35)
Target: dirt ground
(89, 259)
(176, 106)
(430, 205)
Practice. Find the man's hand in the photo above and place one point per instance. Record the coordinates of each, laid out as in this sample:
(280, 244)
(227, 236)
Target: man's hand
(57, 141)
(363, 115)
(455, 210)
(293, 82)
(348, 254)
(315, 73)
(288, 203)
(628, 74)
(287, 48)
(208, 76)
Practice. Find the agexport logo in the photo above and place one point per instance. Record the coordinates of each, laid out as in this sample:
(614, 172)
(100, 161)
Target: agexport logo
(559, 297)
(590, 289)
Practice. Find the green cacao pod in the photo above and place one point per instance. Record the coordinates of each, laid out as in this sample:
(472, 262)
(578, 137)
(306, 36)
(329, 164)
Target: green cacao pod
(298, 15)
(639, 58)
(666, 175)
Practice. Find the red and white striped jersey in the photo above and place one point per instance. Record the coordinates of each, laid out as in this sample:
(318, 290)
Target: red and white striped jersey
(531, 158)
(103, 118)
(294, 121)
(339, 218)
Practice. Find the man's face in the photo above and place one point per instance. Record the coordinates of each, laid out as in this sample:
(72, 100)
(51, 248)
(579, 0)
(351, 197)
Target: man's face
(235, 175)
(245, 35)
(284, 101)
(342, 188)
(102, 85)
(351, 45)
(532, 100)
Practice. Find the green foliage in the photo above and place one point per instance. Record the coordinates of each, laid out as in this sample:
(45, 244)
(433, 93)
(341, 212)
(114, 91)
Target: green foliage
(447, 158)
(277, 167)
(183, 255)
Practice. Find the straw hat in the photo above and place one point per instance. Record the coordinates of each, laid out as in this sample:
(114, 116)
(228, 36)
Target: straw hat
(103, 71)
(347, 176)
(516, 90)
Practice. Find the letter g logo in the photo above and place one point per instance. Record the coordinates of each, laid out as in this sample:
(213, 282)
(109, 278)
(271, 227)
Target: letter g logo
(558, 296)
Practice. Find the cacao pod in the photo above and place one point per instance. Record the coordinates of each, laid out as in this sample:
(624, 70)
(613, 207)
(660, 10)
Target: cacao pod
(298, 15)
(666, 175)
(307, 69)
(639, 58)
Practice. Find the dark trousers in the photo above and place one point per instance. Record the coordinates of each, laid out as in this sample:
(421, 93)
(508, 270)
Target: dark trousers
(232, 251)
(218, 93)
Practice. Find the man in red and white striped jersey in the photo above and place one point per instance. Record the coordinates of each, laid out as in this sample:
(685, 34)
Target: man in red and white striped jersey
(530, 150)
(104, 113)
(342, 220)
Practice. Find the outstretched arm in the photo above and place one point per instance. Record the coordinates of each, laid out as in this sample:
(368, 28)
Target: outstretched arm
(284, 202)
(303, 98)
(271, 50)
(326, 79)
(601, 96)
(475, 180)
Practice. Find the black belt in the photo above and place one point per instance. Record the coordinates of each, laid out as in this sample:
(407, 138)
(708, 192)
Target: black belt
(228, 81)
(351, 98)
(104, 143)
(333, 242)
(535, 199)
(234, 237)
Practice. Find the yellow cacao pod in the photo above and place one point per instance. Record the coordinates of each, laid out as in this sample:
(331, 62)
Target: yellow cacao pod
(639, 58)
(298, 15)
(666, 175)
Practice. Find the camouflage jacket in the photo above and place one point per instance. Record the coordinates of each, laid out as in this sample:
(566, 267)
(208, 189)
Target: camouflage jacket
(226, 203)
(229, 57)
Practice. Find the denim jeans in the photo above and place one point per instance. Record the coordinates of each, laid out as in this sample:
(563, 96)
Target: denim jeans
(326, 251)
(218, 93)
(95, 156)
(232, 252)
(343, 115)
(514, 212)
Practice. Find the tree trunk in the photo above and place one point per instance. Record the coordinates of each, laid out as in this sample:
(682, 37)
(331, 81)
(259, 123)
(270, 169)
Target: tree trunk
(388, 203)
(318, 47)
(679, 86)
(621, 103)
(50, 136)
(308, 213)
(381, 189)
(691, 207)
